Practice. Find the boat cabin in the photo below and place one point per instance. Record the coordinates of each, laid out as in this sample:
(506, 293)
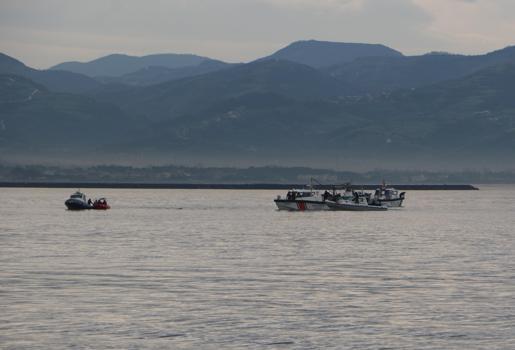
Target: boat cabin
(360, 198)
(294, 194)
(387, 193)
(78, 195)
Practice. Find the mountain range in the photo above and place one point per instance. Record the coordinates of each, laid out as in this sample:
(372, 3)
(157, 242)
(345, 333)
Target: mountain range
(118, 64)
(312, 103)
(61, 81)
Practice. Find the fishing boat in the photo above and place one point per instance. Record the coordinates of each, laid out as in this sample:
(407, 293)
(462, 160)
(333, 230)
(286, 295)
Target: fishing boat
(387, 196)
(359, 202)
(301, 200)
(313, 199)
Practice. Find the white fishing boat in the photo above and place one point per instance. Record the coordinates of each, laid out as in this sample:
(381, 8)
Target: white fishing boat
(359, 202)
(313, 199)
(301, 200)
(387, 196)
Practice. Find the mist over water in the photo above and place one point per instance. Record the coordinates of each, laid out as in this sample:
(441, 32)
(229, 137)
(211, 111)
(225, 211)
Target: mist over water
(197, 269)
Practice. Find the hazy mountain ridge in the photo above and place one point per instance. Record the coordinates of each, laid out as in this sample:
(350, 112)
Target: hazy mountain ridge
(385, 74)
(157, 74)
(60, 81)
(319, 54)
(117, 65)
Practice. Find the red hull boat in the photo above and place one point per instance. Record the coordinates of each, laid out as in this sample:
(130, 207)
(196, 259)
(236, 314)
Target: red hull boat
(101, 204)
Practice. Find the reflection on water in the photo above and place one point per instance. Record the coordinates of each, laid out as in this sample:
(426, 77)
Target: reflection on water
(221, 269)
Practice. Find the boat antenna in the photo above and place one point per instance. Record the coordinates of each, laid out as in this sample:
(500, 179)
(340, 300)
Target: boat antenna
(312, 179)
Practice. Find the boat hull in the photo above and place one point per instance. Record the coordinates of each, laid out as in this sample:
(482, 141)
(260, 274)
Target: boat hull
(101, 207)
(300, 205)
(391, 203)
(73, 204)
(395, 202)
(355, 207)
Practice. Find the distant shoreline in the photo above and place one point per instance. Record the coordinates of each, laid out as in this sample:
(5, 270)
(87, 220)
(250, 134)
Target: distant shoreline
(254, 186)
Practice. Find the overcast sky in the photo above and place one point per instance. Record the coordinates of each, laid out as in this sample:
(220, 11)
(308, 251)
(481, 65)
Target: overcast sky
(42, 33)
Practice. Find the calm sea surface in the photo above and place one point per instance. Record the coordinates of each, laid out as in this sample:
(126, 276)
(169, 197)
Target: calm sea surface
(221, 269)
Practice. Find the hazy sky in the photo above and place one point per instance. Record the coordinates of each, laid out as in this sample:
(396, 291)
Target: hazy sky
(42, 33)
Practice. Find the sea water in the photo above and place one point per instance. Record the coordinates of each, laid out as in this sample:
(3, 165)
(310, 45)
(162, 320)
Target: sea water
(223, 269)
